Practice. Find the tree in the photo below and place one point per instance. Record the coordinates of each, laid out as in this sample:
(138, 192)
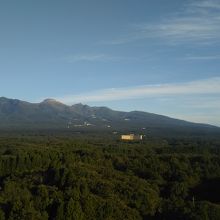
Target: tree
(73, 210)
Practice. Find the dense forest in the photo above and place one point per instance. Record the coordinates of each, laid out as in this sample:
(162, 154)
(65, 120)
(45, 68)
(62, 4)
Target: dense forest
(65, 178)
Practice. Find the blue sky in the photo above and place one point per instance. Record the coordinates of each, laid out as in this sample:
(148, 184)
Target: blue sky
(157, 56)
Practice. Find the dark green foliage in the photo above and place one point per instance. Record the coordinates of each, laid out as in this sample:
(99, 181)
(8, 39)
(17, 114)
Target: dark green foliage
(64, 178)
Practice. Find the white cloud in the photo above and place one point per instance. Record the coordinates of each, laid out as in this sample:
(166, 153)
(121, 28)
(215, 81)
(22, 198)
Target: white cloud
(206, 103)
(201, 87)
(94, 58)
(214, 4)
(185, 29)
(198, 23)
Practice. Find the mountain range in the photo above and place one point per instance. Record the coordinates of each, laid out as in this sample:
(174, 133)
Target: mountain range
(51, 114)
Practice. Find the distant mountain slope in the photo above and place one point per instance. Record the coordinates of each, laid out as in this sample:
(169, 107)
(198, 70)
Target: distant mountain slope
(51, 114)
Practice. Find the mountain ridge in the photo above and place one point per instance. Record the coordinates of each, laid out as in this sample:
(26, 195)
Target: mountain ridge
(52, 114)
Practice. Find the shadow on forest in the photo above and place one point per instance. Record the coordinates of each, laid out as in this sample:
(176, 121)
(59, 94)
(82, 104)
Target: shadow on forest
(207, 190)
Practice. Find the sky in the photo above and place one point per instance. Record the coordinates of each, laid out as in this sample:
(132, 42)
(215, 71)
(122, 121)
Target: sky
(150, 55)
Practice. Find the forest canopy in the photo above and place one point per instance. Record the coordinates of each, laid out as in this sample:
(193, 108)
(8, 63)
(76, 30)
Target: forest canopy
(64, 178)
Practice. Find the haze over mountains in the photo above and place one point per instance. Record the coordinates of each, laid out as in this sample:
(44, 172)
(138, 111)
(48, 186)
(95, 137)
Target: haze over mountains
(51, 114)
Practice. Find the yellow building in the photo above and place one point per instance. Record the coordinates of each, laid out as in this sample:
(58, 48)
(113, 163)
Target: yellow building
(131, 137)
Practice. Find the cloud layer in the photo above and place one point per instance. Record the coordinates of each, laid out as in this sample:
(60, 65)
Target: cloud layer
(198, 23)
(200, 87)
(95, 58)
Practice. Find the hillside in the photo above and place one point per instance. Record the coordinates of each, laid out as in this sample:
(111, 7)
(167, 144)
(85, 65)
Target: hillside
(51, 114)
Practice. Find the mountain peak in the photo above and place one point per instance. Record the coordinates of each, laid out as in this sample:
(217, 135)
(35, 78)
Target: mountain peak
(79, 105)
(52, 114)
(51, 101)
(11, 101)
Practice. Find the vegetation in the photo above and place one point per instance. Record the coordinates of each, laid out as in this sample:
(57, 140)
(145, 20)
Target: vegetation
(17, 115)
(63, 178)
